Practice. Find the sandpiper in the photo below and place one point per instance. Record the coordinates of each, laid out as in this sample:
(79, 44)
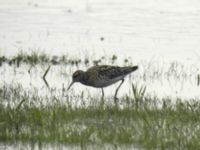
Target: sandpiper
(102, 76)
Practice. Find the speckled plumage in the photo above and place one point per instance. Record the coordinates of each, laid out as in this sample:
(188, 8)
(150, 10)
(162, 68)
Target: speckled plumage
(102, 76)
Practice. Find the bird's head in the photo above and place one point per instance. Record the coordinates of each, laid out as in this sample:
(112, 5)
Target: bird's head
(77, 77)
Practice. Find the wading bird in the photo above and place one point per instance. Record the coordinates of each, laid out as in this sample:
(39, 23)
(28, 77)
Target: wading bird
(102, 76)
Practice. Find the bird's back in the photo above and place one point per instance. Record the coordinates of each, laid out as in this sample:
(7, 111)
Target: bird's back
(104, 75)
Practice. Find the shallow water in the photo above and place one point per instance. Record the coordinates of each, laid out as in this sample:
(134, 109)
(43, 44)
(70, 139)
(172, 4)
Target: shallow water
(153, 34)
(45, 146)
(173, 80)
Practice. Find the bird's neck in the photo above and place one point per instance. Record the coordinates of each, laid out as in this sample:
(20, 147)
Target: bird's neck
(84, 78)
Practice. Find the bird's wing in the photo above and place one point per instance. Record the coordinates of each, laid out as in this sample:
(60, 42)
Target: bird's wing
(109, 71)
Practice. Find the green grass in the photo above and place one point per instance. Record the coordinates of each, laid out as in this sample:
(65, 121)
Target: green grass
(143, 121)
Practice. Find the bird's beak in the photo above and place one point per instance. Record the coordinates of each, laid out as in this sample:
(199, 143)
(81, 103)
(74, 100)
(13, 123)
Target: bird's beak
(70, 85)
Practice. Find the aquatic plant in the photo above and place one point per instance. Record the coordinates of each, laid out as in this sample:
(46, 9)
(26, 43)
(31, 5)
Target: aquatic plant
(25, 118)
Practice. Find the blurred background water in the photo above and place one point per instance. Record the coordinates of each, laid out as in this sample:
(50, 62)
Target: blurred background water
(139, 28)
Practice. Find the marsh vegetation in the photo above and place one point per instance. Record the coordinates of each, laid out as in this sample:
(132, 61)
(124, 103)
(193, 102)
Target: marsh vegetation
(141, 120)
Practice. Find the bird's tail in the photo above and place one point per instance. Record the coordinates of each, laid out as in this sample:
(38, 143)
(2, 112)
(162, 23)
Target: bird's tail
(134, 68)
(127, 70)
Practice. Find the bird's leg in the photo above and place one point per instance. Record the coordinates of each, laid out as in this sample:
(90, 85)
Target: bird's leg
(102, 93)
(115, 97)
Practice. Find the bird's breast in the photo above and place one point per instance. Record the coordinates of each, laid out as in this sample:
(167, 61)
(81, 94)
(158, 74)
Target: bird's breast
(102, 82)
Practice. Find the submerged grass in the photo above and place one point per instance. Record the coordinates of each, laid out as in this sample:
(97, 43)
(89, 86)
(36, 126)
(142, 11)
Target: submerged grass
(35, 58)
(153, 124)
(149, 70)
